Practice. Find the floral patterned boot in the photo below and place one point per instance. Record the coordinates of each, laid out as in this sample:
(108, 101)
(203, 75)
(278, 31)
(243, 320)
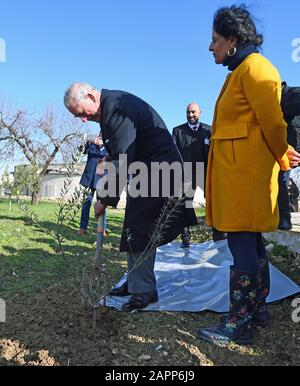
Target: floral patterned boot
(237, 327)
(261, 316)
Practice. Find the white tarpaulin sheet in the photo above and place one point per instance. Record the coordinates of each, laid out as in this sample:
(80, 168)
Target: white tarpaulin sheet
(197, 279)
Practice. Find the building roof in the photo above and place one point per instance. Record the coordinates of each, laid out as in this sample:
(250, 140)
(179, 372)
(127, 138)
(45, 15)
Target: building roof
(62, 169)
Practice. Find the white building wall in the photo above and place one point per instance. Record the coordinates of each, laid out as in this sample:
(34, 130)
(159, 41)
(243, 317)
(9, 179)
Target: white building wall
(52, 184)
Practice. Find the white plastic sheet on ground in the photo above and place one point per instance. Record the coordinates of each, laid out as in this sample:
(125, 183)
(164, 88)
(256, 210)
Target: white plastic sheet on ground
(197, 279)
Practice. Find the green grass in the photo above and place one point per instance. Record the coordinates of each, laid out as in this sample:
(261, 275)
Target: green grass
(53, 320)
(280, 250)
(200, 212)
(30, 259)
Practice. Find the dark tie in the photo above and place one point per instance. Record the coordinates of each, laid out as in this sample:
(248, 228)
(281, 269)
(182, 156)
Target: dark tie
(195, 128)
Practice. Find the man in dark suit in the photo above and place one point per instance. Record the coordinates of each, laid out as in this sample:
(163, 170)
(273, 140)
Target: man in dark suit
(95, 150)
(290, 105)
(131, 127)
(193, 140)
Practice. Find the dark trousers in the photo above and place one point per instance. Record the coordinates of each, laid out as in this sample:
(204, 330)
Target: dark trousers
(283, 196)
(247, 249)
(85, 211)
(185, 234)
(141, 277)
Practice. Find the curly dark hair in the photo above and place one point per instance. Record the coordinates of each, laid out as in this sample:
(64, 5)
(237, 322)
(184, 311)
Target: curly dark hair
(237, 21)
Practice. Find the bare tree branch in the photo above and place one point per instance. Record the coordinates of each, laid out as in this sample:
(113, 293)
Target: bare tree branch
(41, 139)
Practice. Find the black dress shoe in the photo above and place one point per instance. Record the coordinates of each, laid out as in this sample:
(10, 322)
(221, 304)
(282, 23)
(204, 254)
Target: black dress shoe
(218, 236)
(185, 244)
(120, 291)
(285, 224)
(140, 301)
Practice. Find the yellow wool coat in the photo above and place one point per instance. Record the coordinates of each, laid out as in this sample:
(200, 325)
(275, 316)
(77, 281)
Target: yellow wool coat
(248, 149)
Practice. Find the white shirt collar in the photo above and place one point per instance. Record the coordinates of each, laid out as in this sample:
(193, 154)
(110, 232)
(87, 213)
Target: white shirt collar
(192, 126)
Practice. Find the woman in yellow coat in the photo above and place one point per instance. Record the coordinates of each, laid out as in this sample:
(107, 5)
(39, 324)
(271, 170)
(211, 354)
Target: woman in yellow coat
(247, 151)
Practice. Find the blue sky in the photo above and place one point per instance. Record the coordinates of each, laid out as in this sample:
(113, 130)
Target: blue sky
(155, 49)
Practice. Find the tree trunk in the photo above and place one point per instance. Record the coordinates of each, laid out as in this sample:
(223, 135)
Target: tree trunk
(36, 187)
(34, 198)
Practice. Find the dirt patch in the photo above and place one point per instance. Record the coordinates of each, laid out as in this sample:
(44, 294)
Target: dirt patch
(13, 351)
(52, 329)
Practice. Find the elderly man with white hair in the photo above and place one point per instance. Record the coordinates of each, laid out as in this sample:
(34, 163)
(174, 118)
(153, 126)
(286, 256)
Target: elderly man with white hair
(131, 127)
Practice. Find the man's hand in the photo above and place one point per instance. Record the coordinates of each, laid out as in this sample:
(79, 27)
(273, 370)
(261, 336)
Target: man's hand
(294, 157)
(97, 141)
(100, 167)
(99, 209)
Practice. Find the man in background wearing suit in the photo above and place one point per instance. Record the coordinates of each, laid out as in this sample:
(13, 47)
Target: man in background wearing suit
(131, 127)
(193, 140)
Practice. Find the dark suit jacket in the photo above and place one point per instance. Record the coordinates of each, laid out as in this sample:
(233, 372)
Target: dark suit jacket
(94, 153)
(130, 126)
(193, 147)
(290, 105)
